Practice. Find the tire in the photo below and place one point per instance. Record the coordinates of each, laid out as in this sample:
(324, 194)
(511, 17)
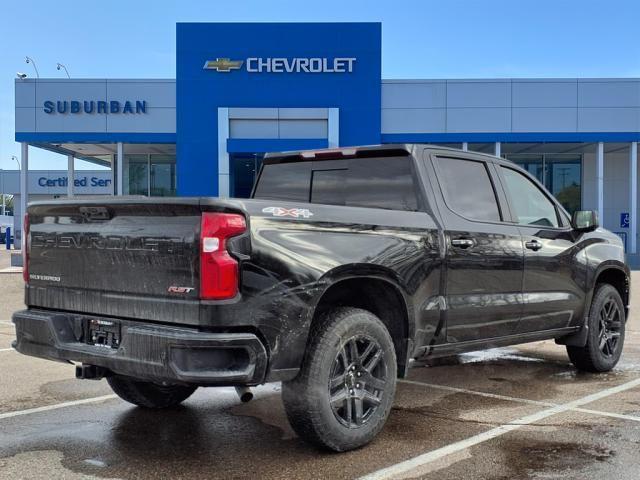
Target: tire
(147, 394)
(605, 337)
(361, 382)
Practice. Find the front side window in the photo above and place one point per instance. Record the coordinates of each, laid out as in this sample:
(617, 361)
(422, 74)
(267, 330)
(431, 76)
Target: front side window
(467, 189)
(560, 173)
(530, 205)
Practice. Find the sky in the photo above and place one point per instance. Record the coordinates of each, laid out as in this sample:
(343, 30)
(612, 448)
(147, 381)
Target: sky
(420, 39)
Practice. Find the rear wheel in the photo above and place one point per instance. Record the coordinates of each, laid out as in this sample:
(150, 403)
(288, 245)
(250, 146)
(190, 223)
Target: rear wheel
(606, 332)
(147, 394)
(343, 394)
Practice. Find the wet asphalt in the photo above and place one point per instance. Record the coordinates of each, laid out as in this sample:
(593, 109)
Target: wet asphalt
(213, 435)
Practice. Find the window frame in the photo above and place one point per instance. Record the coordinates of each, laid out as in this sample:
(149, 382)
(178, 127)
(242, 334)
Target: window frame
(504, 211)
(561, 213)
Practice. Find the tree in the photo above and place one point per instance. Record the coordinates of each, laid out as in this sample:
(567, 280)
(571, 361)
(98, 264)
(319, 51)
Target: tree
(569, 197)
(8, 204)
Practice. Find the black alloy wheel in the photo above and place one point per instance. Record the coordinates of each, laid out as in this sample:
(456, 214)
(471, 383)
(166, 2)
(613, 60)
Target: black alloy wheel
(605, 332)
(358, 379)
(610, 321)
(344, 391)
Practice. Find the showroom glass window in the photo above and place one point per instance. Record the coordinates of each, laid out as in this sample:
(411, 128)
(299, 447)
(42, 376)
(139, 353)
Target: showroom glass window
(150, 175)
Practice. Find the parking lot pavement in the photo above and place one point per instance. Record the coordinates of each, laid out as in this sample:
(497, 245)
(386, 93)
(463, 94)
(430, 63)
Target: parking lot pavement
(7, 334)
(518, 412)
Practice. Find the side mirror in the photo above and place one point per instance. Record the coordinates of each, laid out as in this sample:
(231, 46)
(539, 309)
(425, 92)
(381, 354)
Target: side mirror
(584, 220)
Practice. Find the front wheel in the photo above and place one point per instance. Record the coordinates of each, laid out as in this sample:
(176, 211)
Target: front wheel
(147, 394)
(343, 394)
(605, 337)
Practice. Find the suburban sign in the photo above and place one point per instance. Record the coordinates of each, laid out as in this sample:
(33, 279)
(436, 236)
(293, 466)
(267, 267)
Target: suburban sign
(95, 107)
(284, 65)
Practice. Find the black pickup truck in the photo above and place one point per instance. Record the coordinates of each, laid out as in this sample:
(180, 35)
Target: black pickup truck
(343, 266)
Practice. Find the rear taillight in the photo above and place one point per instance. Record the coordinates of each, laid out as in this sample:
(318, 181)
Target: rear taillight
(219, 277)
(25, 249)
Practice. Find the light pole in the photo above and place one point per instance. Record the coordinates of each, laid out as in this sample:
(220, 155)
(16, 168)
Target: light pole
(62, 66)
(2, 186)
(17, 161)
(30, 60)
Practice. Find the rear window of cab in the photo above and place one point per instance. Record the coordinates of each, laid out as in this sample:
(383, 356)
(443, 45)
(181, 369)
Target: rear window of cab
(386, 182)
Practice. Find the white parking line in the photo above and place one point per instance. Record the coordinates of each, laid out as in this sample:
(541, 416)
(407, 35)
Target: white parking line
(482, 394)
(6, 322)
(56, 406)
(7, 349)
(521, 400)
(620, 416)
(425, 458)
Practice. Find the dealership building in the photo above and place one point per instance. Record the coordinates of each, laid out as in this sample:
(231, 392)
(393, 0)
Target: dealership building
(243, 89)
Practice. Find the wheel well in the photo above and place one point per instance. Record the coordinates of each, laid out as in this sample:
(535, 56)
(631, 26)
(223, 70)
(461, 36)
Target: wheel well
(618, 280)
(377, 296)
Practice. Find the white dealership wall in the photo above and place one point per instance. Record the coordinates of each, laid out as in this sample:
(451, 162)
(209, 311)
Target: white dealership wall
(616, 188)
(408, 106)
(511, 105)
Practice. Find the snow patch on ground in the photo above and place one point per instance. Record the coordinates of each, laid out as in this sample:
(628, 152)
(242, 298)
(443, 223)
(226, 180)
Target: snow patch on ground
(494, 354)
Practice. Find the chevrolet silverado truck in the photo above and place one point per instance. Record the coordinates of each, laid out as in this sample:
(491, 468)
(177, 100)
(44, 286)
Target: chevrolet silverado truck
(342, 267)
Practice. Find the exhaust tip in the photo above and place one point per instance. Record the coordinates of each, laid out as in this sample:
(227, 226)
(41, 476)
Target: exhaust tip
(90, 372)
(245, 394)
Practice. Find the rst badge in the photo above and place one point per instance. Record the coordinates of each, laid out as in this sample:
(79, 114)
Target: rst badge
(175, 289)
(288, 212)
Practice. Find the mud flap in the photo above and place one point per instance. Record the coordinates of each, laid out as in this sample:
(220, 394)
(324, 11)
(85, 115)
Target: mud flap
(403, 364)
(577, 339)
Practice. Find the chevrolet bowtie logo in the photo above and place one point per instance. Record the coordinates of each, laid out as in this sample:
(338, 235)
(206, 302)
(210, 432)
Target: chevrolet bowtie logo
(223, 64)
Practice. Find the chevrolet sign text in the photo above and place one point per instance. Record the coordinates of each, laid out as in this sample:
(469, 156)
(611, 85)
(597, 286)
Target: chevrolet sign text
(284, 65)
(297, 65)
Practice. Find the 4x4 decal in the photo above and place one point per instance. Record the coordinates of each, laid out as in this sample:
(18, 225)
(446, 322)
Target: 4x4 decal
(288, 212)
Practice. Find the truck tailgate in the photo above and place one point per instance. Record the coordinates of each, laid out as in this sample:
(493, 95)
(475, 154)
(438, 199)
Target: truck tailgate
(119, 259)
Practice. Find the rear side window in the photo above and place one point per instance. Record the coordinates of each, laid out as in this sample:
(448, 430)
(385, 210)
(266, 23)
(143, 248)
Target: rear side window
(285, 181)
(387, 182)
(468, 189)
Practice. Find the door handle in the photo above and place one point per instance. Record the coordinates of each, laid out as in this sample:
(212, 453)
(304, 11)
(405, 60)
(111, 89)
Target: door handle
(462, 242)
(533, 245)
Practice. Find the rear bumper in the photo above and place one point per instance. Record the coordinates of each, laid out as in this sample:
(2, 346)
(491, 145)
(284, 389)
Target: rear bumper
(146, 351)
